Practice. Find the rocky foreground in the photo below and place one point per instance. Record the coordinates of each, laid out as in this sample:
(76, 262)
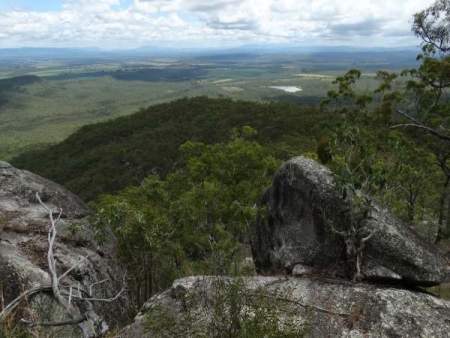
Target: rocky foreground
(24, 225)
(317, 307)
(297, 239)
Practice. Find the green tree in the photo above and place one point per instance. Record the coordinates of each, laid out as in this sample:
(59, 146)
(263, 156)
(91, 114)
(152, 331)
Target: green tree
(426, 104)
(194, 220)
(366, 148)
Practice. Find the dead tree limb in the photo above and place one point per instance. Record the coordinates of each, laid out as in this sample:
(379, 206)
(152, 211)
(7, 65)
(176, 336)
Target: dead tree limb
(55, 324)
(64, 299)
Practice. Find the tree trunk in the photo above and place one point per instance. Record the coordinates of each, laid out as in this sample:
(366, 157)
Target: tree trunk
(444, 212)
(447, 233)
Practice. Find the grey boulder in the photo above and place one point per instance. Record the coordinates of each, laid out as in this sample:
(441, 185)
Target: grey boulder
(303, 211)
(23, 250)
(310, 307)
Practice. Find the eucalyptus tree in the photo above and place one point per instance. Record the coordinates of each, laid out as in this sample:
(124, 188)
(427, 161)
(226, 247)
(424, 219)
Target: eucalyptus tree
(425, 109)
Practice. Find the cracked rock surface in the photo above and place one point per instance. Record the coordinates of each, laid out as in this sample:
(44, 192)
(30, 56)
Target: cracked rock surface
(324, 308)
(23, 248)
(303, 206)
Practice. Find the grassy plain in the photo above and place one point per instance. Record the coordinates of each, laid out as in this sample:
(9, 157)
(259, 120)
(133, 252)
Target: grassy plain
(71, 95)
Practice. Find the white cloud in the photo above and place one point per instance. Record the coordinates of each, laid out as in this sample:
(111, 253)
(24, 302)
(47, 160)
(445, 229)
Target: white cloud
(110, 24)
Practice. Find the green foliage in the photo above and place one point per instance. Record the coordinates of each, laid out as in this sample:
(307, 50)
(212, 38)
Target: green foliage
(442, 291)
(15, 332)
(231, 311)
(368, 156)
(353, 146)
(194, 219)
(111, 156)
(413, 177)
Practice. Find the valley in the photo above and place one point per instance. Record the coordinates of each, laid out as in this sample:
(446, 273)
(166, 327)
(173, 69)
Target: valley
(70, 92)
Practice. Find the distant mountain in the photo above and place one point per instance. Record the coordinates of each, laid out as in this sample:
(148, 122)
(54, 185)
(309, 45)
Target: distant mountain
(48, 53)
(71, 53)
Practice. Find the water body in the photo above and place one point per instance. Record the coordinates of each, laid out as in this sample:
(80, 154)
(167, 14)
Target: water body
(287, 89)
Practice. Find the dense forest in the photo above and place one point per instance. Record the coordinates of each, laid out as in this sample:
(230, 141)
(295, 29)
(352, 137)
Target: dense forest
(110, 156)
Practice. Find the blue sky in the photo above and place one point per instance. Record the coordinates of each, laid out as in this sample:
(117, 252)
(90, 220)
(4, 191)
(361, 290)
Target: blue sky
(37, 5)
(115, 24)
(43, 5)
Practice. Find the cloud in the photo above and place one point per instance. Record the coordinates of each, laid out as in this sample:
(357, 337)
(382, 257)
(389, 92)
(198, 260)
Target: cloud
(368, 27)
(211, 5)
(123, 24)
(240, 24)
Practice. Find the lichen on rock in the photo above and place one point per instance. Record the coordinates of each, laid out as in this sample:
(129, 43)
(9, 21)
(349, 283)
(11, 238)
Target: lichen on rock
(303, 209)
(23, 251)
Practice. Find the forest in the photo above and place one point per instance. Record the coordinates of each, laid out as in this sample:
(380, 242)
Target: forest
(180, 184)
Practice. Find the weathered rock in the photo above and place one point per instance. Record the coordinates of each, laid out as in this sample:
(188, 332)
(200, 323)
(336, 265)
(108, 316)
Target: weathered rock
(304, 209)
(319, 308)
(23, 249)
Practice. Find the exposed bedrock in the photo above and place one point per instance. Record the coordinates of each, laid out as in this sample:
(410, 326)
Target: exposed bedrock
(24, 226)
(310, 307)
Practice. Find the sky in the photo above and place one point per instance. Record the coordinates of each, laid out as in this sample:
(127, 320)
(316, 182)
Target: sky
(122, 24)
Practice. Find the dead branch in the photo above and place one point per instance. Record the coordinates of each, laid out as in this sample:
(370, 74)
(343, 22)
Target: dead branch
(70, 309)
(59, 294)
(17, 301)
(102, 300)
(55, 324)
(307, 306)
(65, 274)
(355, 236)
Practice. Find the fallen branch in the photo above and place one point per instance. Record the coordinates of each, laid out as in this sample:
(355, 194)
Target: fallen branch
(24, 296)
(306, 306)
(60, 295)
(55, 324)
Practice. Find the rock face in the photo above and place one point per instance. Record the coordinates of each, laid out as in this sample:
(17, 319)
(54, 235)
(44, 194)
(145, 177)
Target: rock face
(318, 308)
(23, 249)
(304, 209)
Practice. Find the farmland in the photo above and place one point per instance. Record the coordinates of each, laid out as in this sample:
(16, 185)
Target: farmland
(44, 100)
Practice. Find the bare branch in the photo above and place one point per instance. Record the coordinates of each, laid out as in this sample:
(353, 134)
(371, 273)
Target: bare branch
(419, 125)
(55, 290)
(25, 295)
(308, 306)
(65, 274)
(75, 321)
(407, 116)
(102, 300)
(91, 287)
(367, 238)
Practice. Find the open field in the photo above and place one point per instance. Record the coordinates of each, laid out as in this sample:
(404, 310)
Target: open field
(64, 95)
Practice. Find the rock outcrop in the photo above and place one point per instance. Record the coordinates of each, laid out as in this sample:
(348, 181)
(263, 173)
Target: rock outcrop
(298, 233)
(23, 249)
(315, 308)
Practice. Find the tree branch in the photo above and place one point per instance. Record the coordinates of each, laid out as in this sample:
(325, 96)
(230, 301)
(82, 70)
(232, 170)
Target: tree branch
(75, 321)
(58, 294)
(423, 127)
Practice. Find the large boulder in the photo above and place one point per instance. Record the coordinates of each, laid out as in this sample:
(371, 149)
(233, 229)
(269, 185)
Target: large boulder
(298, 233)
(217, 306)
(23, 253)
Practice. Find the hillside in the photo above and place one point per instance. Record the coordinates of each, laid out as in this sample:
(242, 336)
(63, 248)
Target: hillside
(46, 97)
(106, 157)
